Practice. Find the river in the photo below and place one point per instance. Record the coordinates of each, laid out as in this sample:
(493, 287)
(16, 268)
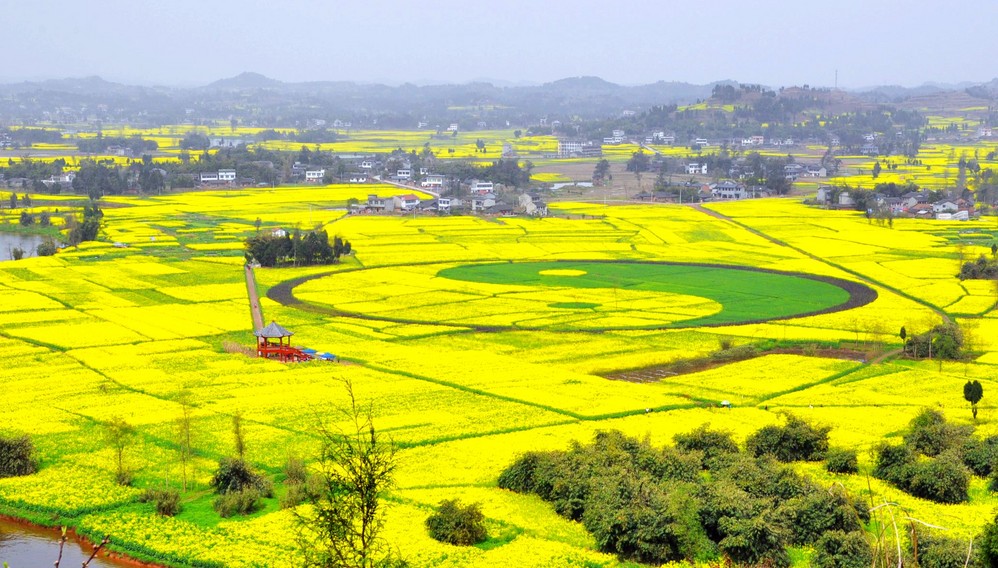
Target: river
(23, 546)
(27, 243)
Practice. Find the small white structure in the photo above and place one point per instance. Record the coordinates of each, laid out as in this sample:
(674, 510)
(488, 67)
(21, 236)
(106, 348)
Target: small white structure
(314, 176)
(227, 175)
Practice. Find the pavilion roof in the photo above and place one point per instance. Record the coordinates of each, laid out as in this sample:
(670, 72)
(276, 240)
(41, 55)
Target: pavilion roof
(273, 330)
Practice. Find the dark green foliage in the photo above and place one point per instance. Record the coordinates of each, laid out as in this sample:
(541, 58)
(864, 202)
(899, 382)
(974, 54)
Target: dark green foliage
(943, 479)
(17, 456)
(808, 517)
(987, 548)
(980, 455)
(458, 524)
(943, 341)
(936, 551)
(296, 249)
(841, 461)
(893, 464)
(711, 443)
(27, 219)
(234, 503)
(86, 230)
(973, 392)
(46, 248)
(755, 541)
(930, 434)
(838, 549)
(643, 521)
(796, 440)
(166, 501)
(655, 506)
(981, 269)
(234, 475)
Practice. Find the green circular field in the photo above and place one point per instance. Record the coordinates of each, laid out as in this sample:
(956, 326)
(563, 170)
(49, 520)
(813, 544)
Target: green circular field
(574, 295)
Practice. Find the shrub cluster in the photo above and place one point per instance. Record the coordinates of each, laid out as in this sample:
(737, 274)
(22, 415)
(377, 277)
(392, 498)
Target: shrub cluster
(841, 461)
(239, 488)
(458, 524)
(658, 505)
(952, 455)
(166, 501)
(980, 269)
(795, 441)
(17, 456)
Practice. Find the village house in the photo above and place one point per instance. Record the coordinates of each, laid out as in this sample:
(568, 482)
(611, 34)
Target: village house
(314, 176)
(403, 174)
(406, 202)
(481, 188)
(376, 204)
(727, 189)
(433, 181)
(357, 177)
(696, 168)
(227, 176)
(482, 202)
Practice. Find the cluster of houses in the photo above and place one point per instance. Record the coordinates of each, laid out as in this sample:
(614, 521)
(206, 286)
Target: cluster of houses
(911, 204)
(481, 199)
(724, 190)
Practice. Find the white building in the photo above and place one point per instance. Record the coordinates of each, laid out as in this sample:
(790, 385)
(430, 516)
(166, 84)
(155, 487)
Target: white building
(209, 177)
(482, 187)
(226, 175)
(433, 181)
(314, 176)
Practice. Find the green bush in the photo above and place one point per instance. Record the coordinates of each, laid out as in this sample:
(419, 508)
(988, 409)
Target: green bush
(711, 443)
(944, 479)
(234, 475)
(458, 524)
(987, 549)
(17, 456)
(979, 455)
(166, 501)
(894, 464)
(941, 552)
(795, 441)
(240, 502)
(841, 461)
(930, 434)
(46, 248)
(754, 542)
(808, 517)
(838, 549)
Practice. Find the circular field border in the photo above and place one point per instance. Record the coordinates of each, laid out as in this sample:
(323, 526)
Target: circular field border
(859, 295)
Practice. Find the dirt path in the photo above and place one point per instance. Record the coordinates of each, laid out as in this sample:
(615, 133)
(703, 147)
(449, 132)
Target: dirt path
(254, 299)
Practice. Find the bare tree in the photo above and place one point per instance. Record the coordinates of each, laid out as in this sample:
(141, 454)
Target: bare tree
(186, 401)
(341, 522)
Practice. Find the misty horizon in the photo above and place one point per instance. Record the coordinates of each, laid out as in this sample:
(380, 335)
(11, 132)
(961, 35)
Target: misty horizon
(187, 44)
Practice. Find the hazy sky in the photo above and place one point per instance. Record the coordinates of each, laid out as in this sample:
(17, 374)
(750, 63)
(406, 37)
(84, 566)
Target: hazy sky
(773, 42)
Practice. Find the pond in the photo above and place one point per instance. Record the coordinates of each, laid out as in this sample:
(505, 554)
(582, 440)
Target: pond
(23, 546)
(10, 241)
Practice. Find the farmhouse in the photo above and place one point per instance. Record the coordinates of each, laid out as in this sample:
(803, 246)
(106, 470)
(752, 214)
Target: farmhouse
(406, 202)
(481, 187)
(375, 203)
(696, 168)
(728, 189)
(227, 175)
(314, 176)
(483, 202)
(433, 181)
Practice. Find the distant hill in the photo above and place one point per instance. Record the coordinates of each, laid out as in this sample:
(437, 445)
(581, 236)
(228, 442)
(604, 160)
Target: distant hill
(247, 80)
